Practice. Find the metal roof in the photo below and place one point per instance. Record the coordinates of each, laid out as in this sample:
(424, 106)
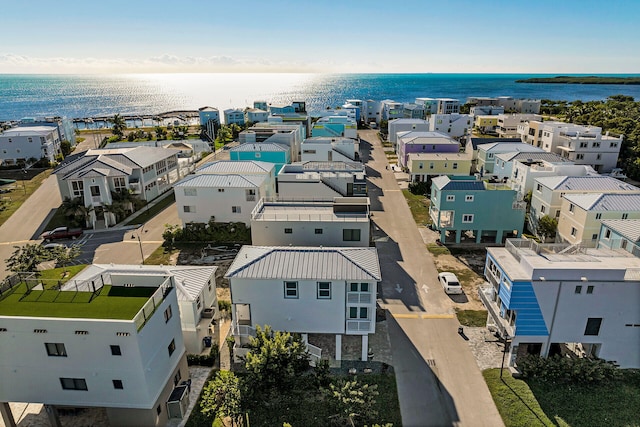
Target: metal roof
(221, 181)
(507, 147)
(418, 138)
(300, 262)
(234, 167)
(606, 202)
(260, 146)
(445, 183)
(628, 228)
(530, 157)
(29, 130)
(586, 183)
(190, 280)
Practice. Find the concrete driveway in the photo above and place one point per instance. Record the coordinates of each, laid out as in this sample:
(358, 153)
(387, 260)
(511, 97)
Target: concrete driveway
(439, 383)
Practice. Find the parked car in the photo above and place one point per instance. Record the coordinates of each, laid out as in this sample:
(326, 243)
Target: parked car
(61, 233)
(450, 283)
(53, 246)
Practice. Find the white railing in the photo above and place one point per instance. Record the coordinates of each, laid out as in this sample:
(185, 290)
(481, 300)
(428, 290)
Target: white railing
(315, 354)
(358, 297)
(149, 308)
(358, 325)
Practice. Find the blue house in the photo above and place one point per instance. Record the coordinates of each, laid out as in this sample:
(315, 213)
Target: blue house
(465, 208)
(278, 154)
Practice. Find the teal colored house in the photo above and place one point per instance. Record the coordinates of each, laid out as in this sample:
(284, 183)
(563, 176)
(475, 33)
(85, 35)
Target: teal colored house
(464, 208)
(278, 154)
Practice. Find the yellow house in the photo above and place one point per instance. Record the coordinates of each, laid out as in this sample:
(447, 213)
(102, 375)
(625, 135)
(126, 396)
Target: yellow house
(486, 124)
(422, 165)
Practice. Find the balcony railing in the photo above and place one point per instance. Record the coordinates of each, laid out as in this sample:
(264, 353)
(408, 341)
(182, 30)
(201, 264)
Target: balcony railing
(150, 306)
(354, 325)
(487, 296)
(358, 297)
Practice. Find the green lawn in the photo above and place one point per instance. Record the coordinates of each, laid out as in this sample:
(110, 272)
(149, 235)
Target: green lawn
(419, 206)
(436, 249)
(110, 303)
(160, 256)
(472, 318)
(305, 407)
(154, 210)
(21, 192)
(52, 276)
(536, 403)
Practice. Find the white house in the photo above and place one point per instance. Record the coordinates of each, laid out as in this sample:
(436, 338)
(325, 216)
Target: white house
(341, 221)
(406, 125)
(557, 299)
(113, 342)
(195, 290)
(448, 106)
(455, 125)
(392, 109)
(307, 290)
(487, 153)
(508, 123)
(18, 145)
(322, 180)
(335, 126)
(504, 162)
(327, 149)
(547, 194)
(372, 111)
(289, 134)
(524, 172)
(94, 175)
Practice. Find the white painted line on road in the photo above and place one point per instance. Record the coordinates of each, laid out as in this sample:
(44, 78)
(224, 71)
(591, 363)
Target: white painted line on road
(422, 316)
(425, 288)
(17, 242)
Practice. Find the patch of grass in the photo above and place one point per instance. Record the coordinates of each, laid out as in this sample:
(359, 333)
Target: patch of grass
(305, 406)
(154, 210)
(536, 403)
(53, 275)
(160, 256)
(57, 220)
(419, 206)
(436, 249)
(472, 318)
(516, 403)
(21, 192)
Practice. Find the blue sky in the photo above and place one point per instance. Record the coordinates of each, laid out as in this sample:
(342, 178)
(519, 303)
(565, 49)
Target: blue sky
(561, 36)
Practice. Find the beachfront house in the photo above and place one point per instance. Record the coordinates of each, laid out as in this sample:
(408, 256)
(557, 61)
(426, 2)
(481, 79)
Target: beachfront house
(341, 221)
(405, 125)
(563, 300)
(95, 175)
(487, 153)
(27, 144)
(290, 135)
(335, 126)
(454, 125)
(308, 290)
(459, 210)
(234, 116)
(505, 162)
(304, 180)
(210, 119)
(255, 115)
(113, 341)
(508, 124)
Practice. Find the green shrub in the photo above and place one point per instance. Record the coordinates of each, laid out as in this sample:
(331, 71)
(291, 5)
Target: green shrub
(224, 305)
(421, 188)
(204, 359)
(565, 369)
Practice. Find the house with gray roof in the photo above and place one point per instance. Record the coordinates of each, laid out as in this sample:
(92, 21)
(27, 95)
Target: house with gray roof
(487, 153)
(308, 290)
(548, 191)
(466, 209)
(620, 234)
(581, 215)
(95, 175)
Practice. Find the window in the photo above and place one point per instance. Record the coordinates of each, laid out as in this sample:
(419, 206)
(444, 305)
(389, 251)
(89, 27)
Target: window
(543, 208)
(468, 198)
(594, 236)
(593, 326)
(189, 209)
(353, 312)
(318, 231)
(364, 312)
(177, 377)
(291, 289)
(420, 165)
(73, 384)
(236, 209)
(220, 190)
(467, 218)
(431, 165)
(598, 216)
(599, 156)
(77, 188)
(539, 187)
(455, 166)
(613, 145)
(351, 235)
(573, 231)
(623, 244)
(159, 409)
(578, 289)
(257, 155)
(95, 191)
(190, 191)
(451, 198)
(590, 289)
(167, 314)
(607, 234)
(250, 195)
(119, 183)
(579, 156)
(324, 290)
(625, 215)
(115, 350)
(172, 347)
(56, 349)
(571, 207)
(288, 230)
(117, 384)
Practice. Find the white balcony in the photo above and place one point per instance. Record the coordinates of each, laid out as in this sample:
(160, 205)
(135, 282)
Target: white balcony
(488, 296)
(359, 297)
(357, 325)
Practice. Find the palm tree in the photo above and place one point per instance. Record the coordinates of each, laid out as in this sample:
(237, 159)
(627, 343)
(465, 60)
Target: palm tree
(119, 125)
(74, 211)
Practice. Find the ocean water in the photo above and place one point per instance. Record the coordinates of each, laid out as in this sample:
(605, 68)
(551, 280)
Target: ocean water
(77, 96)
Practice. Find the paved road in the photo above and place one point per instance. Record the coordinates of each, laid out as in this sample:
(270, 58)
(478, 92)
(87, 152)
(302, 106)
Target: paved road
(439, 383)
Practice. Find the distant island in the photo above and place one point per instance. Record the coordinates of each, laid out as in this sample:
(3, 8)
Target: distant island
(585, 80)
